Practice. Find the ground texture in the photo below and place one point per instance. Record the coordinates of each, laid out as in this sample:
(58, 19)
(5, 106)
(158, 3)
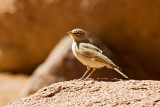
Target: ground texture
(143, 93)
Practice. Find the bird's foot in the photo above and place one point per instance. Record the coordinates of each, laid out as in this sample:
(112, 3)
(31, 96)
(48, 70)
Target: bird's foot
(87, 79)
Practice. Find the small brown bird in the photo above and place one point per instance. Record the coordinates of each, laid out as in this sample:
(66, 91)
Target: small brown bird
(88, 54)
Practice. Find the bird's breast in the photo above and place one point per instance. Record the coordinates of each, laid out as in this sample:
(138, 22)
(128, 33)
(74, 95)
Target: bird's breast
(77, 53)
(74, 49)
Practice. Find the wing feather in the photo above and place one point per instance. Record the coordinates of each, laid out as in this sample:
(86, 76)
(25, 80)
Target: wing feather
(90, 46)
(92, 51)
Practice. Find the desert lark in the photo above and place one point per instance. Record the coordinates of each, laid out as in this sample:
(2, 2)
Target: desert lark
(88, 54)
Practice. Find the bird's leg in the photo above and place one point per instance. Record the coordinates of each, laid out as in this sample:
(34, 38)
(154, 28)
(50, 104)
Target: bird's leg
(88, 68)
(91, 73)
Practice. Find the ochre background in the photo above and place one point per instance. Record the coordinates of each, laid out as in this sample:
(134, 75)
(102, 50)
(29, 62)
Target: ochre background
(30, 29)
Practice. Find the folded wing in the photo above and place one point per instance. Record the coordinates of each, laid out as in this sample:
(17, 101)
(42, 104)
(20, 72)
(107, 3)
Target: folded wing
(92, 51)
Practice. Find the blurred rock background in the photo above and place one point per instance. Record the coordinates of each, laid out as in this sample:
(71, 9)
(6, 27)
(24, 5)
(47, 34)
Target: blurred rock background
(30, 29)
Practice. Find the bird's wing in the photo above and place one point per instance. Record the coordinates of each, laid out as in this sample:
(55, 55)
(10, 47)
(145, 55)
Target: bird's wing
(98, 56)
(90, 46)
(95, 53)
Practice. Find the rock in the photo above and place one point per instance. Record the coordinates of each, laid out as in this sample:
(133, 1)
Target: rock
(7, 6)
(61, 65)
(129, 28)
(78, 93)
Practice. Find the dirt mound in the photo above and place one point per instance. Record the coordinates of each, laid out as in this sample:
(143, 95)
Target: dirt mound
(95, 93)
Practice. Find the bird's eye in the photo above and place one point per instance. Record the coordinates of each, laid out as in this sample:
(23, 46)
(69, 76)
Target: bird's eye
(77, 33)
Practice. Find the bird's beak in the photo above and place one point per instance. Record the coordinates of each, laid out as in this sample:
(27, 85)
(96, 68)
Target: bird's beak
(70, 33)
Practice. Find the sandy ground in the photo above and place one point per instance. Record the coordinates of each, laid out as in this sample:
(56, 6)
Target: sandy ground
(10, 86)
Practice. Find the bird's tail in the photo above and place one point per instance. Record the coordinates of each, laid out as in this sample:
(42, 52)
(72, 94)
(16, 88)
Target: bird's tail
(116, 69)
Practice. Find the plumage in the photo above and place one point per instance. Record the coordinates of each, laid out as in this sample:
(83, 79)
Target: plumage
(88, 54)
(90, 46)
(92, 51)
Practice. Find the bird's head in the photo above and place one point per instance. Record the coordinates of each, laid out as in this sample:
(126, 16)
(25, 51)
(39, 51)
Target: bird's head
(77, 34)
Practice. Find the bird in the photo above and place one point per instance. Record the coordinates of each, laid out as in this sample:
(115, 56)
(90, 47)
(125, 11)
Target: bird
(89, 54)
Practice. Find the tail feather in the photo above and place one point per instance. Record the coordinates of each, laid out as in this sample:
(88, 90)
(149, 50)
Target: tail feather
(116, 69)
